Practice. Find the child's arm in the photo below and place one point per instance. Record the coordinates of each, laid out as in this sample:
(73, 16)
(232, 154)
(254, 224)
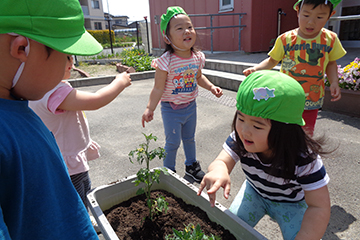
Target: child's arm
(266, 64)
(205, 83)
(218, 176)
(317, 216)
(331, 72)
(81, 100)
(155, 95)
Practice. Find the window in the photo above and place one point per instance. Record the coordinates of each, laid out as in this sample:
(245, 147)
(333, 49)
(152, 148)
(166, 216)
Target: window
(95, 4)
(98, 26)
(226, 5)
(349, 30)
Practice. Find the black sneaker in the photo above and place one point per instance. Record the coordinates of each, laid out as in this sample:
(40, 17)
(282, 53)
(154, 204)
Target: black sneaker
(195, 171)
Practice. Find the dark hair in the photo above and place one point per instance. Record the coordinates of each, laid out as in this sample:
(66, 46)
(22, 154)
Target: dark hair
(48, 50)
(169, 48)
(286, 142)
(316, 3)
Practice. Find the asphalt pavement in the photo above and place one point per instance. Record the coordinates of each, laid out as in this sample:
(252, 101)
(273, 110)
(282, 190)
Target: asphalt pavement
(117, 128)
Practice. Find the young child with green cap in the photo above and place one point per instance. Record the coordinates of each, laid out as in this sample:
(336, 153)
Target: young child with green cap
(177, 77)
(285, 176)
(37, 198)
(308, 53)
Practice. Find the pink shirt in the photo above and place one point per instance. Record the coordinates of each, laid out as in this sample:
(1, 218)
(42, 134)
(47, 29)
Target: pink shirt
(70, 129)
(181, 84)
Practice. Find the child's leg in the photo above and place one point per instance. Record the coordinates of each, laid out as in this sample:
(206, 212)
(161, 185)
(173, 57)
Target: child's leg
(82, 184)
(309, 117)
(188, 134)
(172, 129)
(288, 215)
(248, 205)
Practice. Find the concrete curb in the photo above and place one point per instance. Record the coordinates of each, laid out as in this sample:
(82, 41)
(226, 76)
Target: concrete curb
(83, 82)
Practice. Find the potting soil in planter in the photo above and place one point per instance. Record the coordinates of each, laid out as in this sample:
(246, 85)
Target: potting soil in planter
(127, 219)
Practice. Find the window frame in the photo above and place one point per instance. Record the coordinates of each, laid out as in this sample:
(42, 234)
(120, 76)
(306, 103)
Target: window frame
(95, 6)
(227, 7)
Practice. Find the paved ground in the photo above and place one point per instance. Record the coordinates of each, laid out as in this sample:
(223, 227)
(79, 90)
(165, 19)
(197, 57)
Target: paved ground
(117, 128)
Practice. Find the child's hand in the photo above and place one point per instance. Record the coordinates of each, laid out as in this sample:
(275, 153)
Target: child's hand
(248, 71)
(213, 181)
(124, 77)
(335, 92)
(216, 91)
(147, 116)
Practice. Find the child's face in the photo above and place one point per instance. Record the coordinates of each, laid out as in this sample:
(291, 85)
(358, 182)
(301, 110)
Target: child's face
(42, 72)
(311, 21)
(68, 67)
(253, 132)
(181, 32)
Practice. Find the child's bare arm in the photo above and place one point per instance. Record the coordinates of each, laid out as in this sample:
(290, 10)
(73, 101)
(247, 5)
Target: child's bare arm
(155, 96)
(317, 216)
(205, 83)
(81, 100)
(218, 176)
(331, 72)
(266, 64)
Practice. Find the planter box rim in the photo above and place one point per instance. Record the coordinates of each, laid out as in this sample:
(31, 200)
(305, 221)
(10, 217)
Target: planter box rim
(104, 197)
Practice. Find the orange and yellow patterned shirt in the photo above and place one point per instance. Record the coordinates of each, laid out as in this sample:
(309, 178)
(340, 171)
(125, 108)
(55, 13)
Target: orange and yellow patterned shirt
(306, 61)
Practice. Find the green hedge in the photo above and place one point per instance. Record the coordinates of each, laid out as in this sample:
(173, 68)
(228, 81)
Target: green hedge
(102, 36)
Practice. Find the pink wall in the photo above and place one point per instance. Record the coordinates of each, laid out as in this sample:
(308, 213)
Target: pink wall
(260, 21)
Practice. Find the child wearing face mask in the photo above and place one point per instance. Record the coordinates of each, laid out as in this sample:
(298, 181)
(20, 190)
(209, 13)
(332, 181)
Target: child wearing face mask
(177, 77)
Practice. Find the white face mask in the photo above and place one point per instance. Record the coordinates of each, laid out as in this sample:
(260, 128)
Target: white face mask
(22, 65)
(180, 49)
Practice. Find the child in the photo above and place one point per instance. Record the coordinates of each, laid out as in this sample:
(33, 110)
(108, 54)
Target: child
(307, 53)
(37, 199)
(177, 76)
(285, 176)
(61, 109)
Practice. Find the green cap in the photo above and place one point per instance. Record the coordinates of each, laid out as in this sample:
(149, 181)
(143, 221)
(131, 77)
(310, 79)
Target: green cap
(334, 3)
(58, 24)
(272, 95)
(170, 13)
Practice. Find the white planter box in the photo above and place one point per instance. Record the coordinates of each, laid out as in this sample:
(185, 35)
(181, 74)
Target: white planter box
(104, 197)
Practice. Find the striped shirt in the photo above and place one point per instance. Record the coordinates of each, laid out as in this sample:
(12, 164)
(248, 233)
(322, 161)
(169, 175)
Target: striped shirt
(306, 60)
(181, 84)
(309, 175)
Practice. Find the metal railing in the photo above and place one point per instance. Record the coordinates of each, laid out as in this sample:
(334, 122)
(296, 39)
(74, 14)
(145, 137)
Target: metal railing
(344, 18)
(212, 28)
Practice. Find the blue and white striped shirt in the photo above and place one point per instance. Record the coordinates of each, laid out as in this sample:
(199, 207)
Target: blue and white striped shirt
(309, 175)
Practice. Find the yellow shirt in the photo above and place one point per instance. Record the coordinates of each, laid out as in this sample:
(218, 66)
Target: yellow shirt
(306, 61)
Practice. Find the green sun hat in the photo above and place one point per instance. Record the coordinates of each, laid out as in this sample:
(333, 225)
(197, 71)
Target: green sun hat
(334, 3)
(58, 24)
(170, 13)
(272, 95)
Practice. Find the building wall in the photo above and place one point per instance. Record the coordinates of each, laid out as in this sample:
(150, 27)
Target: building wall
(93, 15)
(261, 23)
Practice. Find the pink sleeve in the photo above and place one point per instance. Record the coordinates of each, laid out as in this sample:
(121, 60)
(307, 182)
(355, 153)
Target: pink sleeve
(162, 62)
(202, 60)
(57, 97)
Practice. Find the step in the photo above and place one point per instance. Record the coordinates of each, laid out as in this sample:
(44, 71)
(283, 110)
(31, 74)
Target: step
(229, 66)
(230, 81)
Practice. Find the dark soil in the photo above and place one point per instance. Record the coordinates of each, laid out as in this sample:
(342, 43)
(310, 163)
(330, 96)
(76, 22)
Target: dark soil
(127, 219)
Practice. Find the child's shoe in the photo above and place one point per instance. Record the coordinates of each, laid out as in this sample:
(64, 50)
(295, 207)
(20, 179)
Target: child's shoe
(195, 171)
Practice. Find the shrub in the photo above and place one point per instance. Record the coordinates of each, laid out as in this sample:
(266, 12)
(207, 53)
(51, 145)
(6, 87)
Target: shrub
(138, 59)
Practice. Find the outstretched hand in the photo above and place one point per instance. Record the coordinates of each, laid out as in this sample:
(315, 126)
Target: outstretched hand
(212, 181)
(248, 71)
